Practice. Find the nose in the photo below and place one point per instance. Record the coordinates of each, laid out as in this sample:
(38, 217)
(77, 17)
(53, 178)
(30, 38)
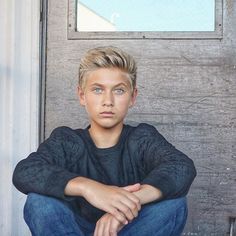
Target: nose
(108, 99)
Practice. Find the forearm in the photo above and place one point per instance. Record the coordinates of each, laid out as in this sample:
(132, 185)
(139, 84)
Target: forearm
(76, 186)
(148, 193)
(117, 201)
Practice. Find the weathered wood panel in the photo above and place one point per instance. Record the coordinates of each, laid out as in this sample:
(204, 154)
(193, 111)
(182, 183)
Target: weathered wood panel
(187, 89)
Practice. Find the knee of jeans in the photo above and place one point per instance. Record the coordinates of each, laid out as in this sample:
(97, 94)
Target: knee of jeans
(178, 205)
(178, 202)
(168, 208)
(178, 208)
(41, 207)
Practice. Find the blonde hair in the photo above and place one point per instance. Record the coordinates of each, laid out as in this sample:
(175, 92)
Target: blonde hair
(107, 57)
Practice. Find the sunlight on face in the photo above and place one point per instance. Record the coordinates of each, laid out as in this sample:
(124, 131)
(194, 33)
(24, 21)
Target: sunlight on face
(107, 96)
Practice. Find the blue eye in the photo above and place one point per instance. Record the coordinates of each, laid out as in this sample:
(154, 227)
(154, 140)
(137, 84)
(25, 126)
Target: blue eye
(119, 91)
(97, 90)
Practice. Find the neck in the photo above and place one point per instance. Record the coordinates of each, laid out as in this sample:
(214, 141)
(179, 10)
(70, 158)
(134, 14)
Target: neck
(105, 137)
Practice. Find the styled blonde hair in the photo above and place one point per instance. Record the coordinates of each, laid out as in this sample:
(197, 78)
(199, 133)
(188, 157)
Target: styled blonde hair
(107, 57)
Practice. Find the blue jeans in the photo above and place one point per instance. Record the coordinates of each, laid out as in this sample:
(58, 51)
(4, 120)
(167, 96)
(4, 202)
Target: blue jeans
(48, 216)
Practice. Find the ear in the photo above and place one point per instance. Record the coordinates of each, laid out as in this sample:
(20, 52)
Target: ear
(81, 96)
(133, 98)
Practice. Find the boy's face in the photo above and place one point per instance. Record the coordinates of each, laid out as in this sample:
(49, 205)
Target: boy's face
(107, 96)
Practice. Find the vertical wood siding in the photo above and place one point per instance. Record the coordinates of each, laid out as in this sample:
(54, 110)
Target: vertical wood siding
(19, 78)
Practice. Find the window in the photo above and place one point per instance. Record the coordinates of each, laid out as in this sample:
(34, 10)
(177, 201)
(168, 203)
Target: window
(145, 19)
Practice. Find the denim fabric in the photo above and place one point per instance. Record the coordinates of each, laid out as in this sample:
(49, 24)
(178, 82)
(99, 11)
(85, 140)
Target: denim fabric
(47, 216)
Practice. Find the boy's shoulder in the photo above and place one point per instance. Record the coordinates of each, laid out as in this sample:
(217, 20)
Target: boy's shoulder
(65, 133)
(144, 130)
(146, 126)
(143, 136)
(61, 130)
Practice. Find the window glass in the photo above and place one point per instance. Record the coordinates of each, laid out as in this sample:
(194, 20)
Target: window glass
(145, 15)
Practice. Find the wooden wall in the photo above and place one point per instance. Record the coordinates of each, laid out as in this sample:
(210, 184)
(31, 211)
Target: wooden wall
(187, 89)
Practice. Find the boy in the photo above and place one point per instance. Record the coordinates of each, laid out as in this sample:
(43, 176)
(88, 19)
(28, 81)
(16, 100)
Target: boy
(110, 178)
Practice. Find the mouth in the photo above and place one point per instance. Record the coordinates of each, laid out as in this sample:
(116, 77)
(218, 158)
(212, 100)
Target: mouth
(106, 114)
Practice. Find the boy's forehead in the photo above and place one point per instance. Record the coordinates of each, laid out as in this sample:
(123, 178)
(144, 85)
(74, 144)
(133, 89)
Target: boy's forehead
(107, 76)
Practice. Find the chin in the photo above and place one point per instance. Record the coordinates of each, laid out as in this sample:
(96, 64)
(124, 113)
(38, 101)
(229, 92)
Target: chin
(109, 125)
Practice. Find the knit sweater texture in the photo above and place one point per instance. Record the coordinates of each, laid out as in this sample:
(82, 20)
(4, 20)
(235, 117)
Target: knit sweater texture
(142, 155)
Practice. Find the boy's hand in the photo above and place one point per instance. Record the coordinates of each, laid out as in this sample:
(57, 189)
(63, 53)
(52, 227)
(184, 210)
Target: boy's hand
(119, 202)
(107, 225)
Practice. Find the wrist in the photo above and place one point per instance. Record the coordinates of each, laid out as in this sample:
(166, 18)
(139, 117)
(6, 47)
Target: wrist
(147, 194)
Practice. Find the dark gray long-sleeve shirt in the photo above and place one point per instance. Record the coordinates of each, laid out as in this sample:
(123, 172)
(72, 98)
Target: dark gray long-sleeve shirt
(142, 155)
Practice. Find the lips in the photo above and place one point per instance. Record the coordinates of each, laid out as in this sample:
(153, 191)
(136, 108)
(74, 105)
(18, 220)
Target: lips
(106, 114)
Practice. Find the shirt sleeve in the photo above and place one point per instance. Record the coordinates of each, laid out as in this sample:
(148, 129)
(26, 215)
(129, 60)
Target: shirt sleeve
(167, 168)
(44, 171)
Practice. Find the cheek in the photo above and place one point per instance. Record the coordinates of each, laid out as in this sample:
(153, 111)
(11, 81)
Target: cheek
(124, 104)
(90, 99)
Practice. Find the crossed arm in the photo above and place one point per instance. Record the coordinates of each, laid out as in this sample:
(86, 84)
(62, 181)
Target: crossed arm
(121, 204)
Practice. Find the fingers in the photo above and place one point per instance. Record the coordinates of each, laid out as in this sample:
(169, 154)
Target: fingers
(119, 216)
(107, 226)
(126, 211)
(111, 228)
(121, 203)
(99, 230)
(132, 188)
(134, 199)
(106, 229)
(126, 206)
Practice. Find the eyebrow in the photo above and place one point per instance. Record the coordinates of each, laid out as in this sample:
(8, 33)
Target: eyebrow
(117, 85)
